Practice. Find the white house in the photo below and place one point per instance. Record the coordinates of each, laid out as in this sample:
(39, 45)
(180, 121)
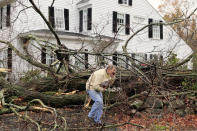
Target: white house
(80, 23)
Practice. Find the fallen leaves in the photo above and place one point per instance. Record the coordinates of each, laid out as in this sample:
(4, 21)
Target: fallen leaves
(167, 122)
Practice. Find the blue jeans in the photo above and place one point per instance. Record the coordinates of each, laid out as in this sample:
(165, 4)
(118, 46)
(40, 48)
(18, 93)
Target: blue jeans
(97, 108)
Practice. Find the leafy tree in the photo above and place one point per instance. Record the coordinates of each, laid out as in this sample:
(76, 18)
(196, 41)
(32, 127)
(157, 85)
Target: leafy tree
(173, 10)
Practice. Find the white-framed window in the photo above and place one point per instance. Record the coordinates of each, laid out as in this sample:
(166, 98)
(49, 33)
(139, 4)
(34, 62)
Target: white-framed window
(125, 2)
(3, 11)
(156, 30)
(85, 13)
(50, 57)
(79, 61)
(120, 22)
(85, 19)
(120, 19)
(59, 18)
(140, 58)
(3, 58)
(139, 19)
(122, 61)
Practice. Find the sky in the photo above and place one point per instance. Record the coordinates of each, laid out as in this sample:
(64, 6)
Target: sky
(155, 3)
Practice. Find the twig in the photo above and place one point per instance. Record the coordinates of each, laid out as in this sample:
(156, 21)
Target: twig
(107, 126)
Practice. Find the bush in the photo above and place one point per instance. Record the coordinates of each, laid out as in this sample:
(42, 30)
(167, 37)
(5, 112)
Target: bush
(173, 60)
(189, 84)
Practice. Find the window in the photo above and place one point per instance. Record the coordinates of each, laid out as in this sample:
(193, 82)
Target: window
(81, 60)
(50, 57)
(125, 2)
(121, 22)
(139, 58)
(47, 56)
(155, 31)
(3, 58)
(101, 60)
(59, 18)
(5, 16)
(122, 61)
(120, 19)
(151, 56)
(85, 19)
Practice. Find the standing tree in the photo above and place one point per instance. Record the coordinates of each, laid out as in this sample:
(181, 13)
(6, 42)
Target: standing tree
(174, 10)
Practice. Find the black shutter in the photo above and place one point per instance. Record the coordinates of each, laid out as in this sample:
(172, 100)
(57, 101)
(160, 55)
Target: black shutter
(86, 59)
(161, 30)
(89, 20)
(8, 16)
(145, 57)
(114, 22)
(130, 2)
(127, 28)
(66, 19)
(52, 16)
(1, 20)
(151, 56)
(80, 20)
(150, 28)
(43, 56)
(9, 62)
(120, 1)
(133, 55)
(114, 58)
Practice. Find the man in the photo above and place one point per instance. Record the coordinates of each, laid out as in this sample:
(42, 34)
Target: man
(96, 84)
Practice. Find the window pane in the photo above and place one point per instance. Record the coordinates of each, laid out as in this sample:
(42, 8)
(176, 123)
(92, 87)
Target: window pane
(59, 18)
(156, 30)
(4, 17)
(124, 1)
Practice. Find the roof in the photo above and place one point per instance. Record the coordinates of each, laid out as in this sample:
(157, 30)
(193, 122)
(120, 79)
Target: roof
(64, 33)
(46, 31)
(82, 1)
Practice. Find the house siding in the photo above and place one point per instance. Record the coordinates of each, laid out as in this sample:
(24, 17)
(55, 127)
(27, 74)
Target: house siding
(102, 10)
(102, 17)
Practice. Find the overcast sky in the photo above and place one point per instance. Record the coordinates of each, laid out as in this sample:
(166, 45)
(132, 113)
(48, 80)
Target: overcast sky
(155, 3)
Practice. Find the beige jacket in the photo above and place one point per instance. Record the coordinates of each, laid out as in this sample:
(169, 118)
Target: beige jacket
(97, 78)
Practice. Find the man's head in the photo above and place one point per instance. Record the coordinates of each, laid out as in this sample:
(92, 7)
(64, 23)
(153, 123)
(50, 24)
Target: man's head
(111, 70)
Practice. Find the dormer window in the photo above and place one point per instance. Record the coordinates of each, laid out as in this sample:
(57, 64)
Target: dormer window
(125, 2)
